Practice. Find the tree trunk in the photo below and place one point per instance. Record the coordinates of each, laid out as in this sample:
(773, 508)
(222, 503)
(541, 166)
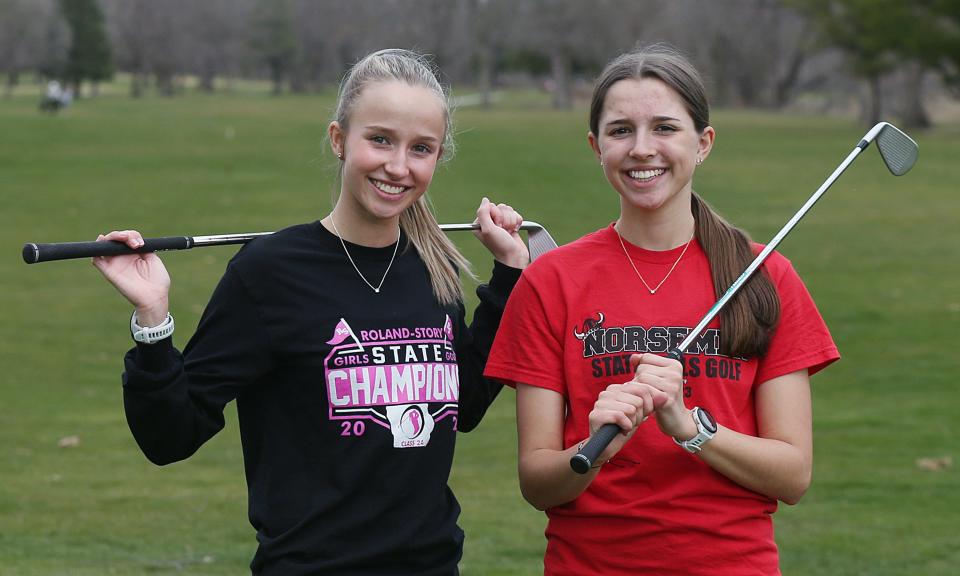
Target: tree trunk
(206, 80)
(560, 67)
(298, 79)
(785, 86)
(165, 83)
(486, 74)
(276, 76)
(914, 115)
(13, 78)
(873, 105)
(137, 80)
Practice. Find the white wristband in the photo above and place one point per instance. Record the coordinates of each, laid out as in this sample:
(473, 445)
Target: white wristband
(151, 335)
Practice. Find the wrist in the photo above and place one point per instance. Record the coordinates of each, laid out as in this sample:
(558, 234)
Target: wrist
(519, 261)
(688, 427)
(153, 314)
(150, 334)
(706, 429)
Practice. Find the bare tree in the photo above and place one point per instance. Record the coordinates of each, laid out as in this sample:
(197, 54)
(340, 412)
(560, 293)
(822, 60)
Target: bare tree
(563, 32)
(33, 36)
(166, 42)
(124, 18)
(320, 27)
(490, 33)
(753, 52)
(131, 24)
(215, 38)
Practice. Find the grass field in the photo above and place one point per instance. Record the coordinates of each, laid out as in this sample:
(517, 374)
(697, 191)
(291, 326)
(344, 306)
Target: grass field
(880, 255)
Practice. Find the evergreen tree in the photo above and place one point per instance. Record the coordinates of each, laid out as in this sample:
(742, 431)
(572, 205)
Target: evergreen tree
(89, 56)
(938, 43)
(880, 36)
(272, 39)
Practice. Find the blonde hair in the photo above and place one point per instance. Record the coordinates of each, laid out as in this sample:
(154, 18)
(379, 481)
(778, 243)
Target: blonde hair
(438, 253)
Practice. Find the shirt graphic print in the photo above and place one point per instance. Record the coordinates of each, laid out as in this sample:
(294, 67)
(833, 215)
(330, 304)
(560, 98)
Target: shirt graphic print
(405, 379)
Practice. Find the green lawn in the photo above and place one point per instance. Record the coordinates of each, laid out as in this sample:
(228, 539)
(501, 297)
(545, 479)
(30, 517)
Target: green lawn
(880, 255)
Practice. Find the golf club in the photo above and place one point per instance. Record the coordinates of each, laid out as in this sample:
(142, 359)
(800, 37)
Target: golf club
(539, 241)
(899, 153)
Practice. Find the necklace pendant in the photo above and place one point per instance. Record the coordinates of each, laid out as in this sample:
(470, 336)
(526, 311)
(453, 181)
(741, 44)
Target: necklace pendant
(376, 289)
(640, 276)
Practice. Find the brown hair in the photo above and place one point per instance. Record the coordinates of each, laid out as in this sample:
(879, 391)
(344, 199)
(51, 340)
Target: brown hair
(438, 253)
(749, 317)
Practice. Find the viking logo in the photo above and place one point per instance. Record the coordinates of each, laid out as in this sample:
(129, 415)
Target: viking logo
(589, 327)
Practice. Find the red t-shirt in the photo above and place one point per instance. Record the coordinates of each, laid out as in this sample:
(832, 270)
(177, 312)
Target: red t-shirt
(571, 324)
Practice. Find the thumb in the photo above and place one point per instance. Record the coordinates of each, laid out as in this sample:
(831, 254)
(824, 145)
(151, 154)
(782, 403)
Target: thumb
(659, 398)
(484, 217)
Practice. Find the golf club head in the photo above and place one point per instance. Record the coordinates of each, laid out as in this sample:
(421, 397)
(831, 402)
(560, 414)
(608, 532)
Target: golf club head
(539, 241)
(899, 151)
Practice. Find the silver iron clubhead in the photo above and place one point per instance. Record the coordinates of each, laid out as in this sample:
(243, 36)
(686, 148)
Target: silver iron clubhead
(899, 151)
(539, 241)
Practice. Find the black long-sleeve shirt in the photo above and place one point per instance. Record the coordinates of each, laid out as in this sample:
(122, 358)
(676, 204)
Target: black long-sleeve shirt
(349, 401)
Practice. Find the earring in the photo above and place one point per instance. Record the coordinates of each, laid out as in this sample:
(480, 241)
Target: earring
(340, 156)
(699, 160)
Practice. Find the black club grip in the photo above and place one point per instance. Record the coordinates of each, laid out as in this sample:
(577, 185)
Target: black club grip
(585, 457)
(33, 253)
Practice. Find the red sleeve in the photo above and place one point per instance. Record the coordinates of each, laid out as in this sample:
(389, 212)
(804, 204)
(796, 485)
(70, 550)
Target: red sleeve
(801, 339)
(527, 348)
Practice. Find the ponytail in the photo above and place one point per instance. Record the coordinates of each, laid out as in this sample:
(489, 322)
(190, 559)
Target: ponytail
(438, 253)
(750, 316)
(436, 250)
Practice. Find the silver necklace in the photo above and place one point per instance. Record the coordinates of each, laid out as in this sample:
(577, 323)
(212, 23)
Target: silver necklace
(376, 288)
(640, 276)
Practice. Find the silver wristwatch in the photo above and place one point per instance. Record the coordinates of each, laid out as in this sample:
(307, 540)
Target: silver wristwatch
(706, 428)
(151, 335)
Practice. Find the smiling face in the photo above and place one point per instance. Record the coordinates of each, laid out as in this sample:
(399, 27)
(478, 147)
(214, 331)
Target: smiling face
(648, 145)
(390, 149)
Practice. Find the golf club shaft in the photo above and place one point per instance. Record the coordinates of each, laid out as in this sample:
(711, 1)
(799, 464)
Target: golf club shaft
(598, 442)
(33, 253)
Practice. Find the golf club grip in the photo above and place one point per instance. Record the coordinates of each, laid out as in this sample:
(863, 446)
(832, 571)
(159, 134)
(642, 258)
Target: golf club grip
(584, 459)
(33, 253)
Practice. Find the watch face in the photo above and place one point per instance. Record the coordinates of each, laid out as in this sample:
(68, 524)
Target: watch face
(707, 420)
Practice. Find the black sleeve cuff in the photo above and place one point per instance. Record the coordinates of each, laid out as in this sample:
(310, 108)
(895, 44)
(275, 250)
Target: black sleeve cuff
(155, 357)
(504, 277)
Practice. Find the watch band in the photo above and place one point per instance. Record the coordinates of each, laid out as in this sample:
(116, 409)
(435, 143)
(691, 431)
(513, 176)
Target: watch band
(706, 429)
(153, 334)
